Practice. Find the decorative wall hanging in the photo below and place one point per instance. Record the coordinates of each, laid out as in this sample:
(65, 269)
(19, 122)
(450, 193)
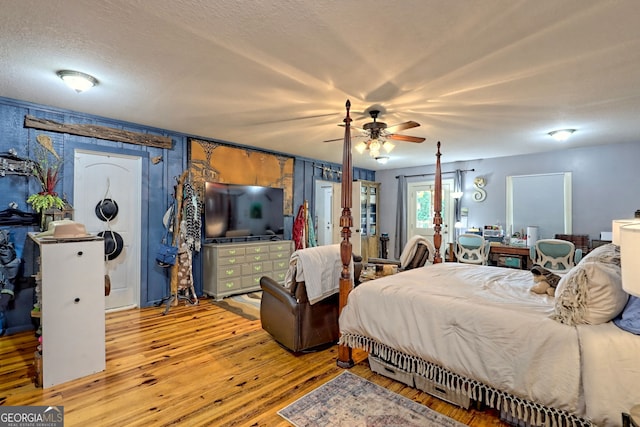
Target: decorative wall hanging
(329, 173)
(215, 162)
(100, 132)
(479, 194)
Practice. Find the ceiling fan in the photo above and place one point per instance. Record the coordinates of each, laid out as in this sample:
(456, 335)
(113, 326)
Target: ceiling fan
(378, 134)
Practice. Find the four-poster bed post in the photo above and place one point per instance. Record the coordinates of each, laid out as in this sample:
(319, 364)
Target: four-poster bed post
(437, 208)
(346, 222)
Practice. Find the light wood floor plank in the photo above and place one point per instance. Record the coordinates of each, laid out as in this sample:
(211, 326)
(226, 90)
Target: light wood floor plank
(196, 366)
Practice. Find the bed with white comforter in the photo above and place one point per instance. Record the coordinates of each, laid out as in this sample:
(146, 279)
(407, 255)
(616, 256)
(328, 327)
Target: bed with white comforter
(483, 324)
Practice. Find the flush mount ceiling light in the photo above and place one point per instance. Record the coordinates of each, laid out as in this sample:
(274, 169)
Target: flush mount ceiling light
(76, 80)
(561, 134)
(382, 159)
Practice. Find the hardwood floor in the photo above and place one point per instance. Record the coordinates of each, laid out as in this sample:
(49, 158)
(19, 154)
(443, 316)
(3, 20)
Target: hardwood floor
(196, 366)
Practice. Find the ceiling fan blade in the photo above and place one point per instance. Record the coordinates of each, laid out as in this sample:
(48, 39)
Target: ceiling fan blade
(353, 128)
(402, 126)
(405, 138)
(342, 139)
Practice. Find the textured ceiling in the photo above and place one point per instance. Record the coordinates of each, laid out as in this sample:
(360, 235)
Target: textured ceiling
(486, 77)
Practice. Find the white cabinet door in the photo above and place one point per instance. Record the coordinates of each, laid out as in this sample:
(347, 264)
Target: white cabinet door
(73, 310)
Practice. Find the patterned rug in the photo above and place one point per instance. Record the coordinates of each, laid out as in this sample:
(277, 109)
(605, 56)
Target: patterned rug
(350, 400)
(245, 305)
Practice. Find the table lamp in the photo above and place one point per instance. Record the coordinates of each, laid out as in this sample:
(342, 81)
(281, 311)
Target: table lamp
(630, 257)
(615, 228)
(629, 236)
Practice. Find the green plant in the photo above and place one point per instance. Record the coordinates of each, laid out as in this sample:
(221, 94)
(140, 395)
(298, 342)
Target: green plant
(46, 168)
(41, 202)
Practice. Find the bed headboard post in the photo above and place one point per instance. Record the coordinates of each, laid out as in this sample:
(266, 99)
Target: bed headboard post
(346, 222)
(437, 207)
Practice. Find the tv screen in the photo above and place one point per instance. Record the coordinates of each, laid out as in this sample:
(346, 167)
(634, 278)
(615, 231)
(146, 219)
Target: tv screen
(240, 211)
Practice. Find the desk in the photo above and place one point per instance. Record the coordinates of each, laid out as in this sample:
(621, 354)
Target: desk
(510, 256)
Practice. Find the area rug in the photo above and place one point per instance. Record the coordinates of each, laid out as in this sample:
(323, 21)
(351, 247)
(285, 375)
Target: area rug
(350, 400)
(245, 305)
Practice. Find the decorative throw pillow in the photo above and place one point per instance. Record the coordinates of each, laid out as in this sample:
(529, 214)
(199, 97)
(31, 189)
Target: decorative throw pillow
(629, 320)
(608, 254)
(591, 292)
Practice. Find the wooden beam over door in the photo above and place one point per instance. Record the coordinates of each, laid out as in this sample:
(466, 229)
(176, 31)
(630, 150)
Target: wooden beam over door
(100, 132)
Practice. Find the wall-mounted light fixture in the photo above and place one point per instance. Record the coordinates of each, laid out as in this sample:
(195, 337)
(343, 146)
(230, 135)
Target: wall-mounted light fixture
(76, 80)
(561, 134)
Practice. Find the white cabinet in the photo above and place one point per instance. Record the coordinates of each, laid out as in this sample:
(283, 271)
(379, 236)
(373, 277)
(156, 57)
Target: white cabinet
(364, 211)
(236, 268)
(72, 310)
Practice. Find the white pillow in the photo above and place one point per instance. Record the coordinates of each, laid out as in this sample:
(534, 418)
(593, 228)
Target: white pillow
(591, 292)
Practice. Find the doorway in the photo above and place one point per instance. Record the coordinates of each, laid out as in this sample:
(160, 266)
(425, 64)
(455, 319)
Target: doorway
(420, 210)
(100, 175)
(323, 212)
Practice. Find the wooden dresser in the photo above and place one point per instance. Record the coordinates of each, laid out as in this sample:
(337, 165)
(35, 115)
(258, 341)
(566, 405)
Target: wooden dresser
(236, 268)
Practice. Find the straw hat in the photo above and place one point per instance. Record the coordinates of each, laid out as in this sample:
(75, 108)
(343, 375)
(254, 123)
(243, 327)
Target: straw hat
(70, 231)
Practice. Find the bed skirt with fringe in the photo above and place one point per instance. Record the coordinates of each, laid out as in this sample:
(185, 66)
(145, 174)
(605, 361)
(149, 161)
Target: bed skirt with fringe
(530, 413)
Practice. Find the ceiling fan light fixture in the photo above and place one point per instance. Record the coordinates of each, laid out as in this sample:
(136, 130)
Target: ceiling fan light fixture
(76, 80)
(561, 134)
(387, 147)
(382, 159)
(360, 147)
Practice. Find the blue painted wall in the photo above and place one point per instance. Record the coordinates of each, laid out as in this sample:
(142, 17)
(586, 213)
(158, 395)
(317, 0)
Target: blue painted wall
(158, 181)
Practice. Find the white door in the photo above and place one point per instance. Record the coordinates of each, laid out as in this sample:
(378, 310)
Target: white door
(356, 231)
(420, 211)
(118, 177)
(323, 207)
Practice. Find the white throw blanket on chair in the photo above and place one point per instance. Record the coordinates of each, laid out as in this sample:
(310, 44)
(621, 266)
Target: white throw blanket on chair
(319, 267)
(410, 247)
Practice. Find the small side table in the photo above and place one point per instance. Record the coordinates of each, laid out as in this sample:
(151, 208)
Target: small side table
(632, 419)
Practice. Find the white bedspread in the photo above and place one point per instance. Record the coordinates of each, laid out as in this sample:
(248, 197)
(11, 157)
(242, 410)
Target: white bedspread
(483, 323)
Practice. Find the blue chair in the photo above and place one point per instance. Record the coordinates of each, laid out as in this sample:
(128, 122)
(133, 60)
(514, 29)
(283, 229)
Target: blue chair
(472, 249)
(555, 254)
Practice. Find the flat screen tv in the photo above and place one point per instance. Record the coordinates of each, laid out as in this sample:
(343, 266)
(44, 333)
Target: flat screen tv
(239, 212)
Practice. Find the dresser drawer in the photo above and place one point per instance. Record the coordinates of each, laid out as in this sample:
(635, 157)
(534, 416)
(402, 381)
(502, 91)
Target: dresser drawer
(230, 251)
(279, 255)
(252, 282)
(252, 268)
(257, 249)
(232, 260)
(281, 247)
(230, 271)
(229, 284)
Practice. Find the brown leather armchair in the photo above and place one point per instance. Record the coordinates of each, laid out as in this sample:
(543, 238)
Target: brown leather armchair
(294, 323)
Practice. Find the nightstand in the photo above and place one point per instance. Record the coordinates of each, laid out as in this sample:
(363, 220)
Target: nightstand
(632, 419)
